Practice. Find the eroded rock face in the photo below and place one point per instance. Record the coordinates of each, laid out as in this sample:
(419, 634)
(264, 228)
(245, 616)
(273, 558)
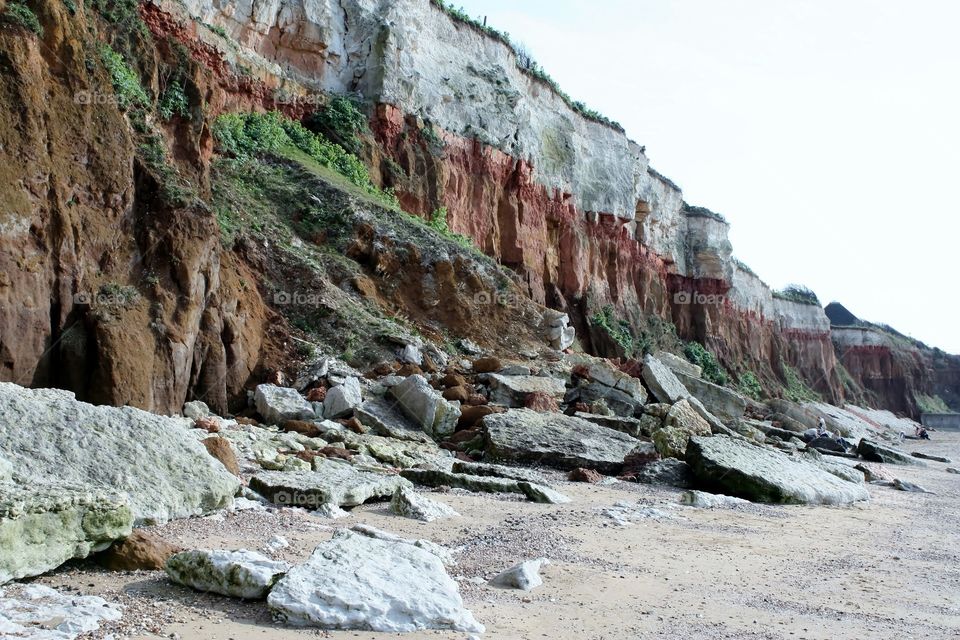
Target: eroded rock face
(43, 525)
(363, 583)
(162, 470)
(761, 474)
(238, 574)
(555, 439)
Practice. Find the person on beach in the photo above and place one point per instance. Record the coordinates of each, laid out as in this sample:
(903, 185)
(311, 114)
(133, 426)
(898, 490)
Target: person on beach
(821, 428)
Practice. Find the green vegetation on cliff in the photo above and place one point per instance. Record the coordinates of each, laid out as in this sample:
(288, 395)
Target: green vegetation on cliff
(796, 389)
(712, 369)
(244, 135)
(798, 293)
(21, 15)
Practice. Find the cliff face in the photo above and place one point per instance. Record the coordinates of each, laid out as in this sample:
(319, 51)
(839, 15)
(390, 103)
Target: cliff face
(105, 288)
(569, 202)
(897, 372)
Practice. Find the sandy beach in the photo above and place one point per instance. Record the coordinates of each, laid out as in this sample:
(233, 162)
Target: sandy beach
(887, 568)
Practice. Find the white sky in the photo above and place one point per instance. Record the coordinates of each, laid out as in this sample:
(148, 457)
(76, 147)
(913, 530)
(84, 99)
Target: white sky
(826, 131)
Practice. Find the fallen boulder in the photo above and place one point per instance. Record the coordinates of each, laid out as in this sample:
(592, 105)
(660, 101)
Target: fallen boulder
(410, 504)
(704, 500)
(427, 408)
(340, 401)
(927, 456)
(681, 423)
(154, 461)
(498, 470)
(722, 402)
(331, 481)
(512, 391)
(44, 525)
(662, 382)
(736, 467)
(669, 471)
(524, 576)
(278, 404)
(356, 582)
(635, 427)
(910, 487)
(140, 551)
(558, 440)
(875, 452)
(483, 484)
(237, 574)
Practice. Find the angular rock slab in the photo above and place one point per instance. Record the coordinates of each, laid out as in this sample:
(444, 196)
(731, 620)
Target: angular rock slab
(237, 574)
(356, 582)
(437, 416)
(331, 482)
(561, 441)
(761, 474)
(342, 399)
(875, 452)
(154, 461)
(512, 391)
(44, 525)
(535, 492)
(410, 504)
(278, 404)
(40, 613)
(662, 382)
(724, 403)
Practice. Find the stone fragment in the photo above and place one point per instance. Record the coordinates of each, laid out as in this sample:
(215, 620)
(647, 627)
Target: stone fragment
(140, 551)
(331, 481)
(238, 574)
(341, 400)
(524, 576)
(278, 404)
(410, 504)
(427, 408)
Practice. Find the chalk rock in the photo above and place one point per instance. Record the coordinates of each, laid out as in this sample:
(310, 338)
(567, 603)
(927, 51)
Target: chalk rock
(524, 576)
(238, 574)
(332, 481)
(37, 612)
(155, 462)
(44, 525)
(341, 400)
(421, 402)
(358, 582)
(410, 504)
(279, 404)
(876, 452)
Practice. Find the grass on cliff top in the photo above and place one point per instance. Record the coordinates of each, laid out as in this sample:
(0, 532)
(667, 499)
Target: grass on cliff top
(799, 294)
(931, 404)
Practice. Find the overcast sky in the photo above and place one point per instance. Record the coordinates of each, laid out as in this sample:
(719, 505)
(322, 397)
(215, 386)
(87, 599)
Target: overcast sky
(826, 131)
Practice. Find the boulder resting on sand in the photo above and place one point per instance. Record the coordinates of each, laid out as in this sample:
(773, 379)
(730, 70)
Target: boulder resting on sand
(154, 461)
(238, 574)
(558, 440)
(358, 582)
(331, 482)
(875, 452)
(722, 464)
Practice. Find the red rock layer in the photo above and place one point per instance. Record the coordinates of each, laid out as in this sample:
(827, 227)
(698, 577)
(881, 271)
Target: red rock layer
(575, 261)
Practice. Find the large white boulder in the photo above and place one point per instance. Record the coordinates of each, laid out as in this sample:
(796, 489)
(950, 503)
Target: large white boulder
(342, 399)
(37, 612)
(358, 582)
(44, 525)
(331, 482)
(155, 462)
(278, 404)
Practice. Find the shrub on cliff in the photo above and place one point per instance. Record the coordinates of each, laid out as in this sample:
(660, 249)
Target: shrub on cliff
(796, 389)
(438, 222)
(21, 15)
(750, 386)
(712, 370)
(126, 83)
(341, 121)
